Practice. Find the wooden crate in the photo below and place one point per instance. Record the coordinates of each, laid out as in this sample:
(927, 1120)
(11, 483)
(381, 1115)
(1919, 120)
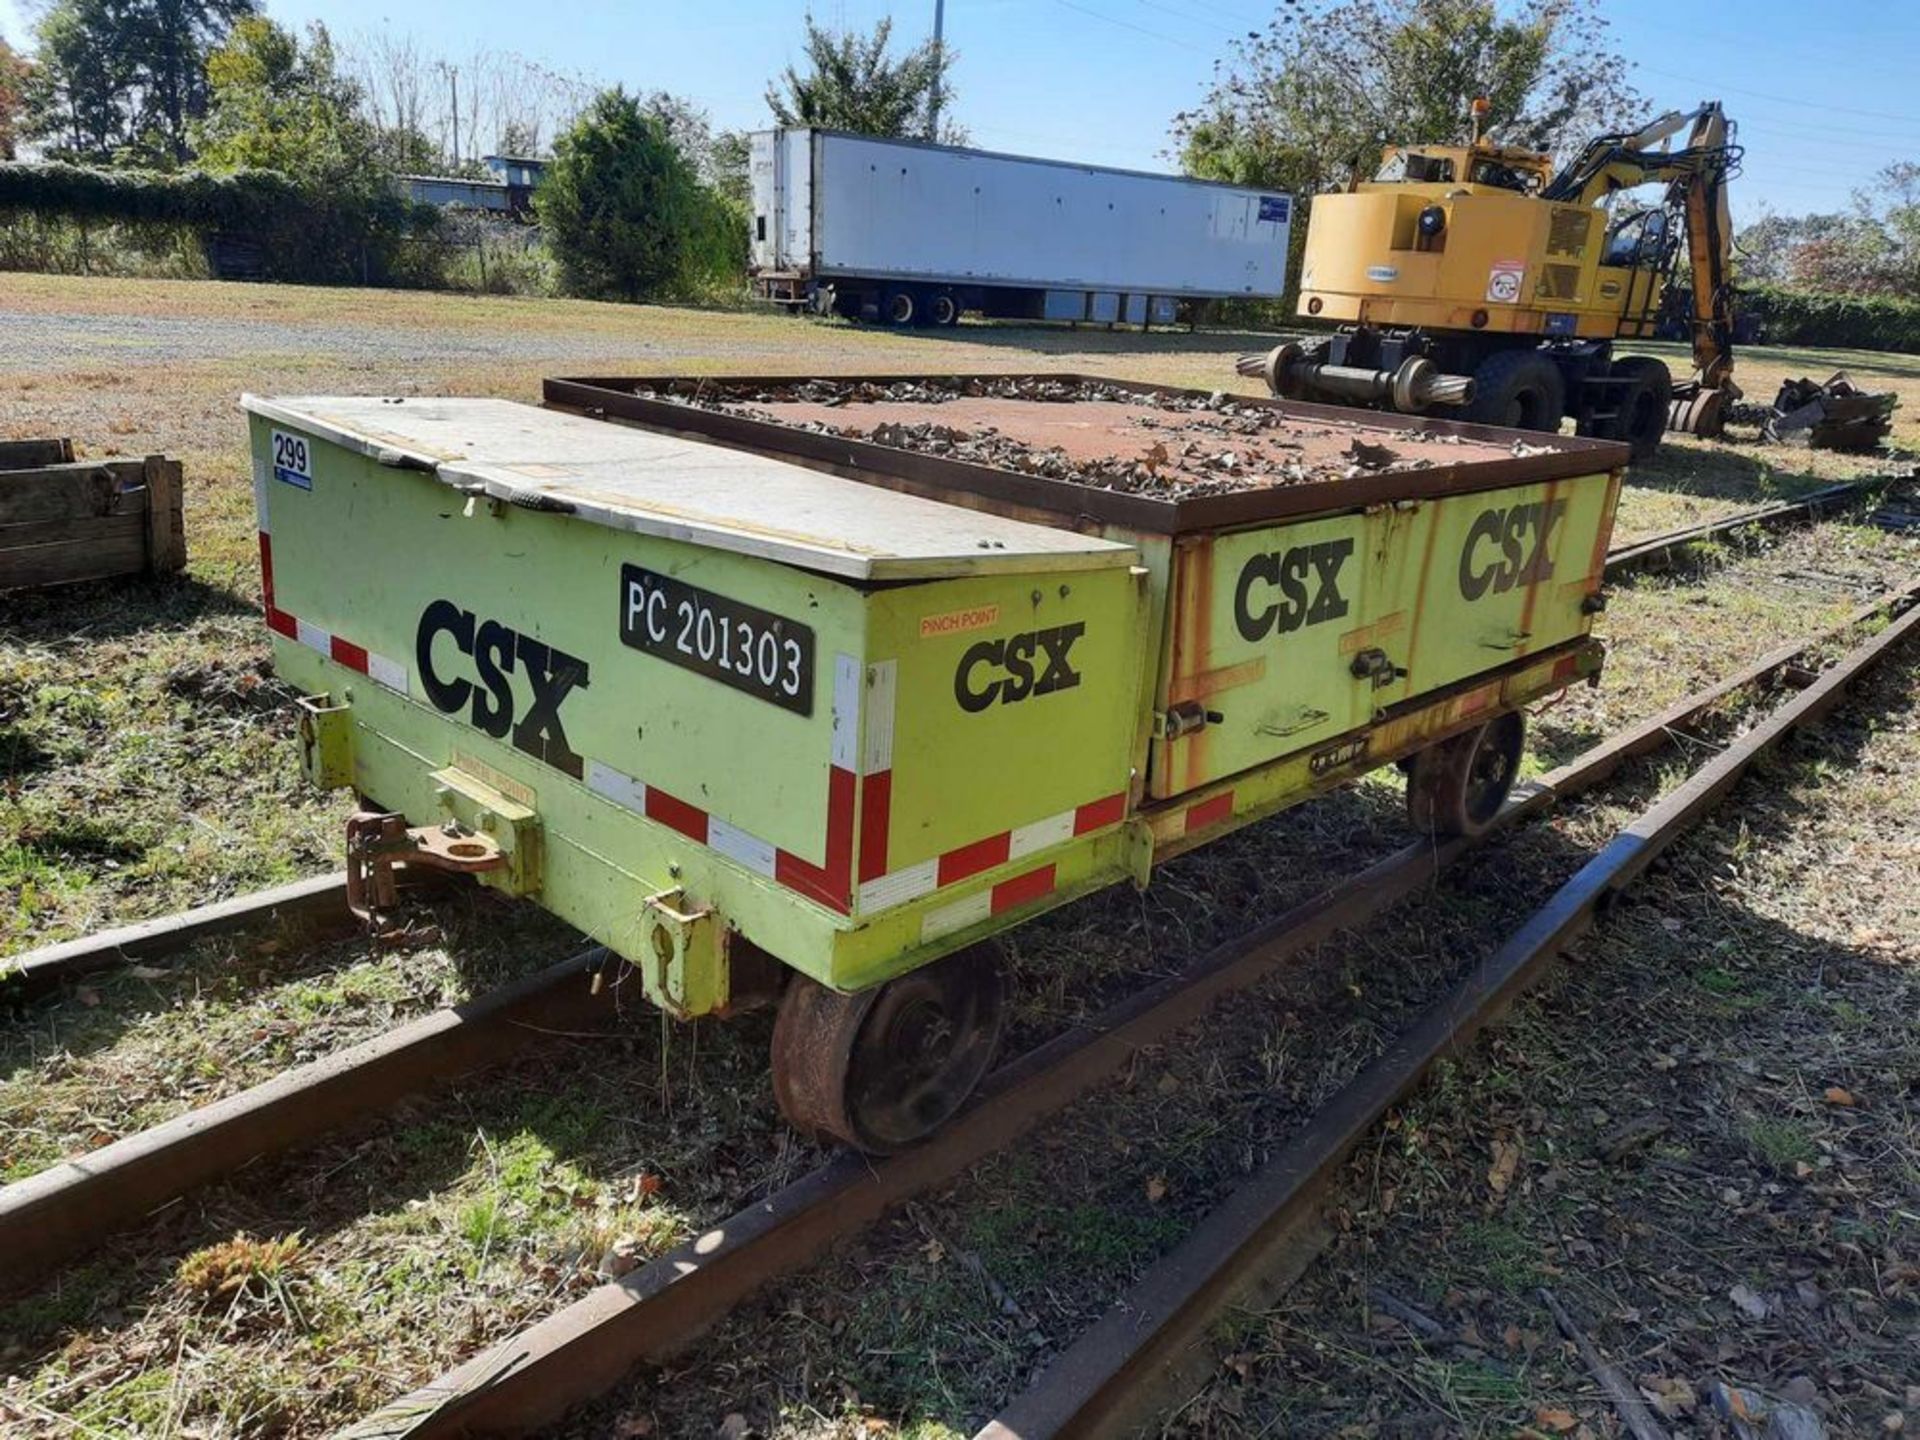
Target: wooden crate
(63, 520)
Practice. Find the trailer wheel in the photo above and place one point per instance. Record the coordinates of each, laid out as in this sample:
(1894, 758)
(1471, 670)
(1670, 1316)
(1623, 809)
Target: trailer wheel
(944, 310)
(900, 307)
(1459, 785)
(1641, 404)
(1520, 389)
(886, 1067)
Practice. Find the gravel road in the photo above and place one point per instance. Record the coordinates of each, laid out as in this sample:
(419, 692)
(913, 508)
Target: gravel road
(42, 341)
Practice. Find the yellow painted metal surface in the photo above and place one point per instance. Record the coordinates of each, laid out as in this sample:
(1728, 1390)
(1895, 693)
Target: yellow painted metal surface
(1512, 259)
(1282, 636)
(864, 776)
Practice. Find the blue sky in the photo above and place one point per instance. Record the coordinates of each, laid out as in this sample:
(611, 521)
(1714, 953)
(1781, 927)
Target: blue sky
(1098, 79)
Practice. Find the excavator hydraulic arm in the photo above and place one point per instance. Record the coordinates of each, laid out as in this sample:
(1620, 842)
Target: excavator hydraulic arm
(1697, 186)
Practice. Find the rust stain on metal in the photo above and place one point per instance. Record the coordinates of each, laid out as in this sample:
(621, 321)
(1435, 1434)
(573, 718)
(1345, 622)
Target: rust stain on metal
(1213, 682)
(1193, 649)
(1361, 636)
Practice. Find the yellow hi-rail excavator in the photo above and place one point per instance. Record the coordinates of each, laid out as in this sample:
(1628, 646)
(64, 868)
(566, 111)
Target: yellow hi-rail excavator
(1474, 281)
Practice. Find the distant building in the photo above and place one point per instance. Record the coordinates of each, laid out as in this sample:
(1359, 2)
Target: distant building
(447, 190)
(509, 193)
(518, 171)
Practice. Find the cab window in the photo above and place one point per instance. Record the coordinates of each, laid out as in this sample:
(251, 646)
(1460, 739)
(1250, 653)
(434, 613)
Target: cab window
(1400, 167)
(1503, 175)
(1639, 236)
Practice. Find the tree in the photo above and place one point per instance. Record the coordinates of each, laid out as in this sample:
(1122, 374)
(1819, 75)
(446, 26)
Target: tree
(624, 210)
(1310, 101)
(1871, 250)
(122, 81)
(13, 83)
(279, 105)
(852, 84)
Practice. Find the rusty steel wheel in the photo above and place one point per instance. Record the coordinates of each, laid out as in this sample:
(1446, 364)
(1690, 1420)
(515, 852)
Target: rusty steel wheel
(884, 1068)
(1702, 413)
(1459, 785)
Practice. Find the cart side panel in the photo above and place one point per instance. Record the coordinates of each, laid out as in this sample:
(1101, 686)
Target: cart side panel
(478, 607)
(1001, 715)
(1282, 636)
(1254, 625)
(1501, 575)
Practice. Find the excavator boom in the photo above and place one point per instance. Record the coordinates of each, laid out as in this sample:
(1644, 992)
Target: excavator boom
(1697, 187)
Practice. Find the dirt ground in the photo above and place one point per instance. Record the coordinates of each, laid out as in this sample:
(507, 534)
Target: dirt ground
(146, 763)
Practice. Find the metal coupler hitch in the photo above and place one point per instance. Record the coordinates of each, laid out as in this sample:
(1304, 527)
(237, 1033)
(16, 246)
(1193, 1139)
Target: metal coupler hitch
(378, 843)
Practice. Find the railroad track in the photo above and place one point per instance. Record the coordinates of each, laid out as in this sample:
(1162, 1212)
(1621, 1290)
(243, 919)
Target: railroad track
(321, 899)
(535, 1377)
(1140, 1351)
(49, 1218)
(1648, 554)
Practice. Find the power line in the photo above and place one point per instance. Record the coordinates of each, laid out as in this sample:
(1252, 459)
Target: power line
(1190, 17)
(1795, 100)
(1129, 25)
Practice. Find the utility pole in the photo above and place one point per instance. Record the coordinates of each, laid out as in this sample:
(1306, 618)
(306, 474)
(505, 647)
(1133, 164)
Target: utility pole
(453, 79)
(939, 67)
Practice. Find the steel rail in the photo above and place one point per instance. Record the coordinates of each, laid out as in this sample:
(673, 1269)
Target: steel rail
(37, 971)
(534, 1377)
(319, 899)
(48, 1218)
(1105, 1382)
(1641, 554)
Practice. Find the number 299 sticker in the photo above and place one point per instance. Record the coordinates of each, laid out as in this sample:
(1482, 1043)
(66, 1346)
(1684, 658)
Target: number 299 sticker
(768, 656)
(291, 460)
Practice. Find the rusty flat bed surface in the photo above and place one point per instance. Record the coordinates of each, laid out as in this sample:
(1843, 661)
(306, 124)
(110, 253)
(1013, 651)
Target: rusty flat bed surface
(1149, 456)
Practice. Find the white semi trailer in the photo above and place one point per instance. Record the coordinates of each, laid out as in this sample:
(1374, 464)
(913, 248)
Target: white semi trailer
(909, 233)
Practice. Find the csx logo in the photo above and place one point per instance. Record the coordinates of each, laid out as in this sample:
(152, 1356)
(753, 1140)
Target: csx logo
(1002, 671)
(497, 653)
(1508, 547)
(1307, 578)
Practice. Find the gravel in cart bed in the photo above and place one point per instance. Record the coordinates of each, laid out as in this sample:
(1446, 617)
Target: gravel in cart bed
(1173, 446)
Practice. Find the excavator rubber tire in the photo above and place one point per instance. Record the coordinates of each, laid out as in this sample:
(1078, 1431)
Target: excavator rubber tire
(1643, 406)
(1518, 389)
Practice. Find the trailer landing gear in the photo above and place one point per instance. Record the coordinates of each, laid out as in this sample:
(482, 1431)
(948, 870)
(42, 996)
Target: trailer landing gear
(1459, 785)
(885, 1067)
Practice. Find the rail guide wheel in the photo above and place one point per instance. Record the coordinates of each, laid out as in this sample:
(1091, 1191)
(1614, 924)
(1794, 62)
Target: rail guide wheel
(885, 1067)
(1459, 785)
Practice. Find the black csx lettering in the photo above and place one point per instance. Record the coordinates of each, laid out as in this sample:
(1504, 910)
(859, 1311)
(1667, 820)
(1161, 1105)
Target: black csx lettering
(1308, 579)
(1002, 671)
(1520, 535)
(498, 653)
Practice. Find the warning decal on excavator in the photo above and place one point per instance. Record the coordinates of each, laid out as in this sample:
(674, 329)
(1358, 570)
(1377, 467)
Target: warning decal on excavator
(1504, 280)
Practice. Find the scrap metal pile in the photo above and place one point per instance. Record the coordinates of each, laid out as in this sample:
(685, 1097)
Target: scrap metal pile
(1835, 416)
(1116, 438)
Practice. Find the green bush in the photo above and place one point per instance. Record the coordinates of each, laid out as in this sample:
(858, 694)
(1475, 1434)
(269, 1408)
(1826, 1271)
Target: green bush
(303, 236)
(625, 214)
(58, 245)
(1844, 322)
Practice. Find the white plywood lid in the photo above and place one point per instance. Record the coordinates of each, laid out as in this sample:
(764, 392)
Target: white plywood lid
(687, 490)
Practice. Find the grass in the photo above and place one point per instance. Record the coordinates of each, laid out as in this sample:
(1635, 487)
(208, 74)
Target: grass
(146, 762)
